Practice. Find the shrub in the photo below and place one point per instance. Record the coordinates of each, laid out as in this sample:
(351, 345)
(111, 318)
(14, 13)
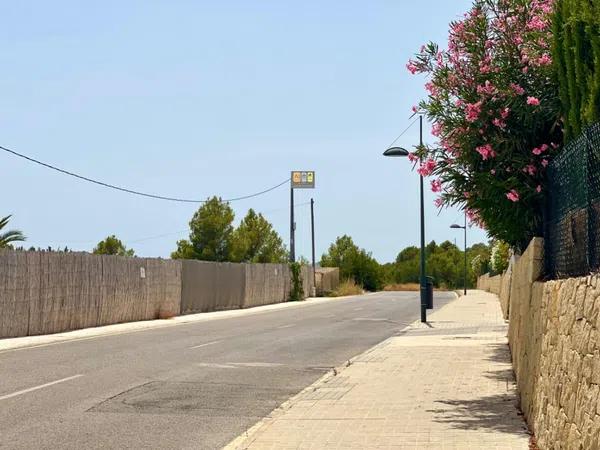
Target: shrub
(347, 287)
(493, 101)
(297, 290)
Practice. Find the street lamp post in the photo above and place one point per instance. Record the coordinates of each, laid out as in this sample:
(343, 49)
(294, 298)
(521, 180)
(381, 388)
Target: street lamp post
(399, 151)
(465, 271)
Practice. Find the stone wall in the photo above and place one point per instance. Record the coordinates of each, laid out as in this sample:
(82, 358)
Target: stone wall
(554, 337)
(495, 283)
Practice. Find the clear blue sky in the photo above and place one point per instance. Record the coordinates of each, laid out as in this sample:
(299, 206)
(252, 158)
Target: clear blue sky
(195, 98)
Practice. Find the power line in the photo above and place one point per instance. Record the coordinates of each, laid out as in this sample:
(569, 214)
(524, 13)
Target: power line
(402, 134)
(131, 191)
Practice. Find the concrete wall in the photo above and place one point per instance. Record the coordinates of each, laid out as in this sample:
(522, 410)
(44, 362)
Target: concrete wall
(328, 279)
(554, 335)
(210, 286)
(43, 292)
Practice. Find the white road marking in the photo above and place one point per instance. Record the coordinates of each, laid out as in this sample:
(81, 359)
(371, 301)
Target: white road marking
(357, 309)
(41, 386)
(369, 319)
(216, 366)
(257, 364)
(206, 344)
(233, 365)
(286, 326)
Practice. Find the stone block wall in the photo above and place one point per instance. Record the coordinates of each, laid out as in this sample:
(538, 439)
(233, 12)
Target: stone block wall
(495, 283)
(554, 336)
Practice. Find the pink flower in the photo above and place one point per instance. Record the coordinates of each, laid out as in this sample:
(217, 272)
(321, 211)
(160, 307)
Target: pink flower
(538, 189)
(439, 202)
(539, 150)
(431, 88)
(505, 113)
(467, 194)
(472, 111)
(545, 60)
(436, 129)
(533, 101)
(487, 88)
(486, 151)
(493, 171)
(545, 162)
(412, 157)
(536, 23)
(412, 67)
(499, 123)
(513, 195)
(426, 167)
(436, 185)
(517, 89)
(530, 169)
(414, 108)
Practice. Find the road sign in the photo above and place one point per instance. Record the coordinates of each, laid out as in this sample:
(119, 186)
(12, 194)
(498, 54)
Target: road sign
(303, 179)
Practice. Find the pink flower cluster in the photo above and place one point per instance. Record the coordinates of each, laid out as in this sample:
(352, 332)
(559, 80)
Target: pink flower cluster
(473, 110)
(486, 151)
(436, 185)
(513, 195)
(426, 167)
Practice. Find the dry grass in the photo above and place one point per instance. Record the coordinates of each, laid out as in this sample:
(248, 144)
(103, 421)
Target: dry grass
(402, 287)
(410, 287)
(348, 287)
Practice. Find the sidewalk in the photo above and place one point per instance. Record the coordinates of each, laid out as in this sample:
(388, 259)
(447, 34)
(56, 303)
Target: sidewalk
(447, 384)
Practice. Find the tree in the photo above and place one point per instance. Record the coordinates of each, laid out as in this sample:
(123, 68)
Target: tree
(354, 263)
(576, 54)
(255, 241)
(111, 246)
(499, 257)
(444, 262)
(211, 231)
(493, 101)
(10, 236)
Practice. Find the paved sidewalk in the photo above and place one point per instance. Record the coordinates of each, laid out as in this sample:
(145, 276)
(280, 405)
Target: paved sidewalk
(447, 384)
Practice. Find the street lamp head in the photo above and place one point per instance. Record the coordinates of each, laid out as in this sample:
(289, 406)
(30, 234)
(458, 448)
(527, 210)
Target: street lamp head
(396, 151)
(456, 226)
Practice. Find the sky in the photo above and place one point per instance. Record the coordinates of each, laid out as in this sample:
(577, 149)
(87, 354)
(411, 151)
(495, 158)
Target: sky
(199, 98)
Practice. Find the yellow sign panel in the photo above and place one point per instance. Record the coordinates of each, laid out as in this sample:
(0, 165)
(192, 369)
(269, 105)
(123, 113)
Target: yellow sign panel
(303, 179)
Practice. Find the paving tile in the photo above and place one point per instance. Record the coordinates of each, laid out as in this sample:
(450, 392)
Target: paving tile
(444, 385)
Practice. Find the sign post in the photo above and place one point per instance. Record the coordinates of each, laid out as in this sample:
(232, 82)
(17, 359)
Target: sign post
(300, 179)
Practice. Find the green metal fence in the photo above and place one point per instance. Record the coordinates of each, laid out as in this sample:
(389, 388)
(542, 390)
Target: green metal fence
(572, 217)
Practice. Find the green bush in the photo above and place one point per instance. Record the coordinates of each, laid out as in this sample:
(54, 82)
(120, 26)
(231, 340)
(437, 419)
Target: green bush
(576, 54)
(296, 291)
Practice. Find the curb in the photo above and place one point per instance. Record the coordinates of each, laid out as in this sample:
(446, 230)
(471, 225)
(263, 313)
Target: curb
(27, 342)
(246, 438)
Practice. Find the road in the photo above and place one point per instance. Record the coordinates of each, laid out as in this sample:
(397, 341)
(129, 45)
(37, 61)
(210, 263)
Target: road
(189, 386)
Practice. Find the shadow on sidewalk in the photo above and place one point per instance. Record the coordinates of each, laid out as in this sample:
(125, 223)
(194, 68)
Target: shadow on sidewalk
(499, 412)
(494, 413)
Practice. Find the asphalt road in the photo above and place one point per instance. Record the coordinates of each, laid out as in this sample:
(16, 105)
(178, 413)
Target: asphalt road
(196, 385)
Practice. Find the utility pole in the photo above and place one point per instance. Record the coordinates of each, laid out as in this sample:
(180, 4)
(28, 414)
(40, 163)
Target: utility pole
(422, 277)
(292, 227)
(312, 227)
(465, 285)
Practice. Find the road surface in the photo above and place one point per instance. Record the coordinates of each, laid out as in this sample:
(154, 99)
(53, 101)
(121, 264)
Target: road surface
(189, 386)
